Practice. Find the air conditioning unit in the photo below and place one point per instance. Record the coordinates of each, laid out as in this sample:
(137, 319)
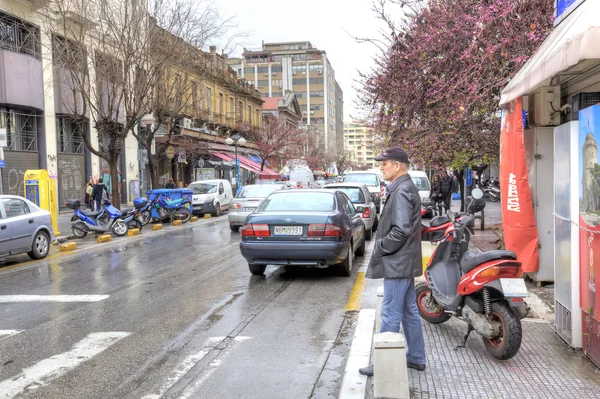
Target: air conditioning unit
(293, 73)
(304, 112)
(274, 73)
(312, 112)
(266, 74)
(186, 123)
(280, 86)
(320, 72)
(544, 105)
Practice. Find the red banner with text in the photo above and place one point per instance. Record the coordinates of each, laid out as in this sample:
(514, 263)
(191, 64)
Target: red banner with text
(518, 220)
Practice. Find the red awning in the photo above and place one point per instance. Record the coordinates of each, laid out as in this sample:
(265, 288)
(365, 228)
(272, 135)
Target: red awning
(227, 157)
(266, 173)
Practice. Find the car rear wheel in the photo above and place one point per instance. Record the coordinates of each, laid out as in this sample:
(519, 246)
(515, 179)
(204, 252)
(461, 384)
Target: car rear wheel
(361, 250)
(217, 210)
(369, 234)
(235, 228)
(40, 247)
(257, 270)
(345, 267)
(375, 224)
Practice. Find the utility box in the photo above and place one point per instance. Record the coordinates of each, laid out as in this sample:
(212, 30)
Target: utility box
(545, 106)
(390, 372)
(42, 191)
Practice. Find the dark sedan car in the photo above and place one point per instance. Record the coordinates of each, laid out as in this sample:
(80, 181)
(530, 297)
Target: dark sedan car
(319, 228)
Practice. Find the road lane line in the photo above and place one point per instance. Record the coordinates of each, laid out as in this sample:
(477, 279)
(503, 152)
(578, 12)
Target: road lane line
(354, 384)
(357, 292)
(10, 332)
(56, 366)
(185, 366)
(51, 298)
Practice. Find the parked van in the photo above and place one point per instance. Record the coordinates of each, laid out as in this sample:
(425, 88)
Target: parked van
(211, 196)
(304, 175)
(422, 182)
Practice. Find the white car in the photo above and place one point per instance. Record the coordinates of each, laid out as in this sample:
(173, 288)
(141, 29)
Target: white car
(24, 228)
(422, 182)
(211, 196)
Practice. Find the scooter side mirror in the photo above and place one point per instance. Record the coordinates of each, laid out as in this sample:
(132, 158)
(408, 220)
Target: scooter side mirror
(477, 193)
(451, 216)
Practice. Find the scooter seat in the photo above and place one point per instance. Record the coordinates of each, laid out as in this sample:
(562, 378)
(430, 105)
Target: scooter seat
(125, 211)
(472, 259)
(438, 221)
(89, 213)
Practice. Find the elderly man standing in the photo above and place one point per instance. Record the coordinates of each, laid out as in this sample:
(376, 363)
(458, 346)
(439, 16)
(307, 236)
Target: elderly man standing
(397, 256)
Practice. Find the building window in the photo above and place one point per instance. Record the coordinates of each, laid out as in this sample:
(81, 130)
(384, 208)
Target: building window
(277, 58)
(276, 68)
(316, 107)
(317, 94)
(249, 114)
(262, 70)
(300, 81)
(240, 111)
(299, 68)
(257, 117)
(263, 83)
(316, 67)
(21, 129)
(70, 140)
(19, 36)
(300, 94)
(276, 82)
(249, 70)
(299, 57)
(276, 94)
(209, 100)
(220, 103)
(316, 81)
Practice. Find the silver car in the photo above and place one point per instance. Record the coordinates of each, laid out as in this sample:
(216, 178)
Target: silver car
(247, 200)
(24, 228)
(359, 195)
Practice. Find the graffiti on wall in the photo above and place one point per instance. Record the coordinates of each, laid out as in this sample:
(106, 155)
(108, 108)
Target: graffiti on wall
(14, 181)
(71, 179)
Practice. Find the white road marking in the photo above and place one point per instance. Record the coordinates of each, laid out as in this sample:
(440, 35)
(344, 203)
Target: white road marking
(47, 370)
(185, 366)
(354, 384)
(10, 332)
(51, 298)
(189, 392)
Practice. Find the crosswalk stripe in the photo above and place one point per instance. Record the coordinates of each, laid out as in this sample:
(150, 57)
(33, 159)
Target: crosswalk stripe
(48, 369)
(51, 298)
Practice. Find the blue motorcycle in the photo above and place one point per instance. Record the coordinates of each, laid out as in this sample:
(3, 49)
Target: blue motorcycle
(179, 209)
(108, 218)
(132, 216)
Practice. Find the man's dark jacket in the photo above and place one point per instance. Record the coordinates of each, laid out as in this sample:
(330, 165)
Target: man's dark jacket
(97, 191)
(397, 252)
(446, 185)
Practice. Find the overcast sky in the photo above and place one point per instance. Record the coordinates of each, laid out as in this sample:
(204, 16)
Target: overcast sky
(322, 22)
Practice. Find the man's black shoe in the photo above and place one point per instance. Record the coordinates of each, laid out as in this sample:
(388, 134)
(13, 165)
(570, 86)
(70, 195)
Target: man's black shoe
(418, 367)
(368, 371)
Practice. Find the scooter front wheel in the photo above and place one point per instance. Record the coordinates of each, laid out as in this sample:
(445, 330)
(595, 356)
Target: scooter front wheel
(79, 229)
(120, 228)
(428, 307)
(146, 217)
(183, 214)
(508, 342)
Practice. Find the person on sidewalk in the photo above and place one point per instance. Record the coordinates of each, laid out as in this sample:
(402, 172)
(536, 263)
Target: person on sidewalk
(99, 192)
(397, 257)
(436, 196)
(446, 189)
(89, 188)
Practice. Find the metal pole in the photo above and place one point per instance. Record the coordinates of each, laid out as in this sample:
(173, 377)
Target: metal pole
(237, 169)
(1, 158)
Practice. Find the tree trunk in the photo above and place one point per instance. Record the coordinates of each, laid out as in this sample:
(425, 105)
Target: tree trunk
(114, 180)
(460, 174)
(153, 166)
(262, 164)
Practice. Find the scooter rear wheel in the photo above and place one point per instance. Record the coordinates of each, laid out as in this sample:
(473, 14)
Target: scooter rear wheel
(79, 229)
(120, 228)
(428, 308)
(508, 343)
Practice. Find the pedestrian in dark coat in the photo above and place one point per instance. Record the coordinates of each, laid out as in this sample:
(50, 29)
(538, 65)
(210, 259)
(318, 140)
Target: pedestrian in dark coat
(397, 256)
(446, 189)
(99, 192)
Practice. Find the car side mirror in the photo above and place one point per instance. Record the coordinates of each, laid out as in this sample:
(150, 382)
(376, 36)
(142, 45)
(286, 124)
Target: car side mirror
(360, 208)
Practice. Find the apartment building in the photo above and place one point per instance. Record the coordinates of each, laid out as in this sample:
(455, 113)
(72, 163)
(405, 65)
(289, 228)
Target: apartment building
(306, 71)
(358, 141)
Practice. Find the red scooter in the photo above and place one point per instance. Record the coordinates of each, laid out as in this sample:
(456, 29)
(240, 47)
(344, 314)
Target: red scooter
(483, 289)
(436, 229)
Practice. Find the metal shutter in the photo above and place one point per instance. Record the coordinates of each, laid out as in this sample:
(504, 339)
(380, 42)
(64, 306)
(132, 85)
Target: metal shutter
(71, 178)
(13, 175)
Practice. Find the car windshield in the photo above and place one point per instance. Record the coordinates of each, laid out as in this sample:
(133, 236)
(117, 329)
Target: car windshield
(203, 188)
(354, 193)
(256, 191)
(296, 200)
(364, 178)
(421, 182)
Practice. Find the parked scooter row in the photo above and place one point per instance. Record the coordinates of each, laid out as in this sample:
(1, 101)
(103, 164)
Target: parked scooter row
(161, 209)
(483, 289)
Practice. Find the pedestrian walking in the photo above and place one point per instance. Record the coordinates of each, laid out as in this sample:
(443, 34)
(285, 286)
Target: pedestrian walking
(436, 195)
(397, 257)
(446, 189)
(89, 188)
(99, 192)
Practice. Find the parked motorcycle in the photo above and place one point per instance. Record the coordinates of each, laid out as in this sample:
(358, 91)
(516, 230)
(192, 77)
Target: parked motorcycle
(179, 209)
(108, 218)
(483, 289)
(436, 229)
(132, 216)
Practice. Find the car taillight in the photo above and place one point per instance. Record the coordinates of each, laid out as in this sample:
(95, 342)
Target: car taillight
(324, 230)
(237, 206)
(256, 230)
(367, 213)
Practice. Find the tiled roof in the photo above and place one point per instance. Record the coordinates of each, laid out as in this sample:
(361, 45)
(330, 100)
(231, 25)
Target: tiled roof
(271, 103)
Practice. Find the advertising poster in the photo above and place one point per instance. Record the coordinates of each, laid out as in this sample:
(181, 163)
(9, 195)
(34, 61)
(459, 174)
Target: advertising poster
(589, 207)
(518, 221)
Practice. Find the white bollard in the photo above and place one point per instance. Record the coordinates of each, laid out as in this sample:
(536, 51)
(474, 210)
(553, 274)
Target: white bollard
(389, 366)
(378, 309)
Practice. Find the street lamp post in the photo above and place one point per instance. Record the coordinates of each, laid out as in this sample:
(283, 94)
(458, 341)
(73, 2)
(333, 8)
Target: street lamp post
(236, 140)
(146, 123)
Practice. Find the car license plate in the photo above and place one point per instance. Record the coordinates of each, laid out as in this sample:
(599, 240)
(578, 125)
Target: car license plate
(249, 209)
(514, 287)
(288, 230)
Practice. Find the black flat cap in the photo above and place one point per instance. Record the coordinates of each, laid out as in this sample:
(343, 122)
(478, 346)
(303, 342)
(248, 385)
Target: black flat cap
(396, 153)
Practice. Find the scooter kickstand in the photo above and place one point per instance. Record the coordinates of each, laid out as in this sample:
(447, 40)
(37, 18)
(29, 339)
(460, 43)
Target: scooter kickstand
(464, 343)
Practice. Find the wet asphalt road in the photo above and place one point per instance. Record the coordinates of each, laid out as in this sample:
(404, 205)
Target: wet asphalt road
(191, 320)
